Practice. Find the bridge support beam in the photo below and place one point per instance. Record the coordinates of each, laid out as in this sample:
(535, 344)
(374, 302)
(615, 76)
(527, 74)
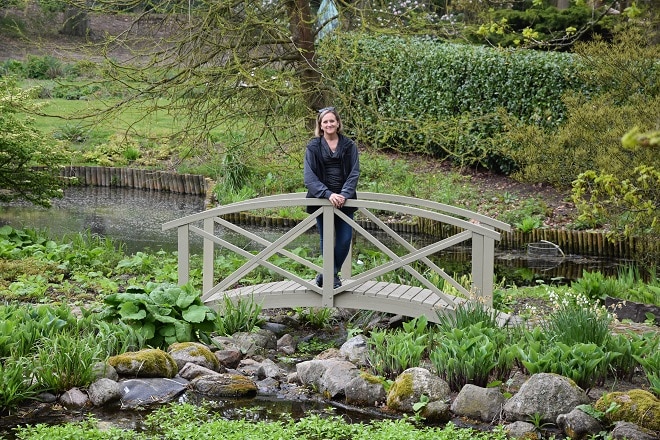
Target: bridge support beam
(328, 256)
(483, 268)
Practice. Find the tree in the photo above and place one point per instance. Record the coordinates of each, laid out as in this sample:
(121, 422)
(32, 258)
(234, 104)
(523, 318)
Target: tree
(254, 60)
(29, 162)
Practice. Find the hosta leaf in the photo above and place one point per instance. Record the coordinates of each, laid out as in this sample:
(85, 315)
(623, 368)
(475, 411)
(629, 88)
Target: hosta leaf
(183, 331)
(130, 310)
(165, 318)
(147, 329)
(195, 313)
(165, 295)
(186, 298)
(167, 330)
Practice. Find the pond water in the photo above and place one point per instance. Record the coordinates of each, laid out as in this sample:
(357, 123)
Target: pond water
(135, 217)
(132, 216)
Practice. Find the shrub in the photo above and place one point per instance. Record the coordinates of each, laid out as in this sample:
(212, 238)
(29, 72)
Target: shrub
(444, 99)
(42, 67)
(625, 93)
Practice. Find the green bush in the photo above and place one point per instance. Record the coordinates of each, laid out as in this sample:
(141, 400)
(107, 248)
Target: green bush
(443, 99)
(11, 67)
(625, 79)
(42, 67)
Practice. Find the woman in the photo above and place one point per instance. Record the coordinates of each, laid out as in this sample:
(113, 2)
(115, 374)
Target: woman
(331, 171)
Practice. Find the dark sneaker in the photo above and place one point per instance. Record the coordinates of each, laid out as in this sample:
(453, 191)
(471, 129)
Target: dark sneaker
(319, 280)
(337, 282)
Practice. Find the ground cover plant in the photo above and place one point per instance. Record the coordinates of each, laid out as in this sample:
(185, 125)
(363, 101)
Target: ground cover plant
(189, 421)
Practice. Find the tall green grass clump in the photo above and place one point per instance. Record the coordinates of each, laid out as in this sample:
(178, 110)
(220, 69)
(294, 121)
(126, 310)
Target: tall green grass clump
(49, 348)
(242, 315)
(390, 352)
(473, 354)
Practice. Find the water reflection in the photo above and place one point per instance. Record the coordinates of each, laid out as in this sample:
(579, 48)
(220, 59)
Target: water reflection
(132, 216)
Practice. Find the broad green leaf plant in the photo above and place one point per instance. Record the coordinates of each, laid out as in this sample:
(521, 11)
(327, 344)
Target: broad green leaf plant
(164, 313)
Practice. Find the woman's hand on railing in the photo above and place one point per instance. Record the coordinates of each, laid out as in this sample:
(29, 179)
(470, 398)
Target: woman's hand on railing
(337, 200)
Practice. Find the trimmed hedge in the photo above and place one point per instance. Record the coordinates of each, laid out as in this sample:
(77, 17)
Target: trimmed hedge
(422, 95)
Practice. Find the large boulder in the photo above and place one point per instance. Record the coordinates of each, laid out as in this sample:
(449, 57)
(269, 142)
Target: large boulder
(103, 391)
(355, 350)
(546, 395)
(410, 385)
(258, 342)
(579, 425)
(74, 398)
(328, 376)
(150, 362)
(195, 353)
(479, 403)
(365, 390)
(630, 431)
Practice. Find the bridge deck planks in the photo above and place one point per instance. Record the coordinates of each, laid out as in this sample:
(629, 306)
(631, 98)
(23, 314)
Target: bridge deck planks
(373, 295)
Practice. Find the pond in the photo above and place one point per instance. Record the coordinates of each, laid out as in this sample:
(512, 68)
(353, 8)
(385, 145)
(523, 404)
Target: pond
(135, 217)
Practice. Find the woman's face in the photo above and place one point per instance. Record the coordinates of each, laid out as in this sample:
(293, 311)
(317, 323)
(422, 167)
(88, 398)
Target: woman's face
(329, 123)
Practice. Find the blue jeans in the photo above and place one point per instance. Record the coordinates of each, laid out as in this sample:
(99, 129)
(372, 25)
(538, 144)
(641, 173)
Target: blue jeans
(343, 237)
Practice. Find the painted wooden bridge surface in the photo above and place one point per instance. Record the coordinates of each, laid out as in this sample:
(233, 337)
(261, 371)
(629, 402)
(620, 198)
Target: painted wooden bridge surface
(367, 290)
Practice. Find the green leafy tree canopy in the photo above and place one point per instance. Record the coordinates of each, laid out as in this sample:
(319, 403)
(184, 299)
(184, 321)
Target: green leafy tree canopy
(29, 161)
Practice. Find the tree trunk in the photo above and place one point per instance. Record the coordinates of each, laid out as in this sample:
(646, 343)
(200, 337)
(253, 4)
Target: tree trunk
(300, 25)
(76, 22)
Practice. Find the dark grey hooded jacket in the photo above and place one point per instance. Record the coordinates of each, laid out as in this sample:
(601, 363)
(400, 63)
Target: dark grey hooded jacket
(314, 171)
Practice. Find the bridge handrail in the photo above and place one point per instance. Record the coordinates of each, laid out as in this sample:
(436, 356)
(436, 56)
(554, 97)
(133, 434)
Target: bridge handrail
(300, 199)
(477, 227)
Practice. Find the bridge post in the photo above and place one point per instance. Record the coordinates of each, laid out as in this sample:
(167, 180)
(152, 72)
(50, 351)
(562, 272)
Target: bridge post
(207, 256)
(183, 254)
(328, 255)
(483, 268)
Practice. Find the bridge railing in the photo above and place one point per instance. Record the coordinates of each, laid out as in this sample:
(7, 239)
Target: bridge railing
(475, 228)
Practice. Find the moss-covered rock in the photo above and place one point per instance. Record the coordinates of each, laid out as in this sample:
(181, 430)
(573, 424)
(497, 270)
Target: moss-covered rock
(224, 385)
(194, 352)
(144, 363)
(410, 385)
(636, 406)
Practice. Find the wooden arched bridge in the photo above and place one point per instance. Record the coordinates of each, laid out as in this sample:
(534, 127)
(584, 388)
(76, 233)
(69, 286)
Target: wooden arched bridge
(365, 290)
